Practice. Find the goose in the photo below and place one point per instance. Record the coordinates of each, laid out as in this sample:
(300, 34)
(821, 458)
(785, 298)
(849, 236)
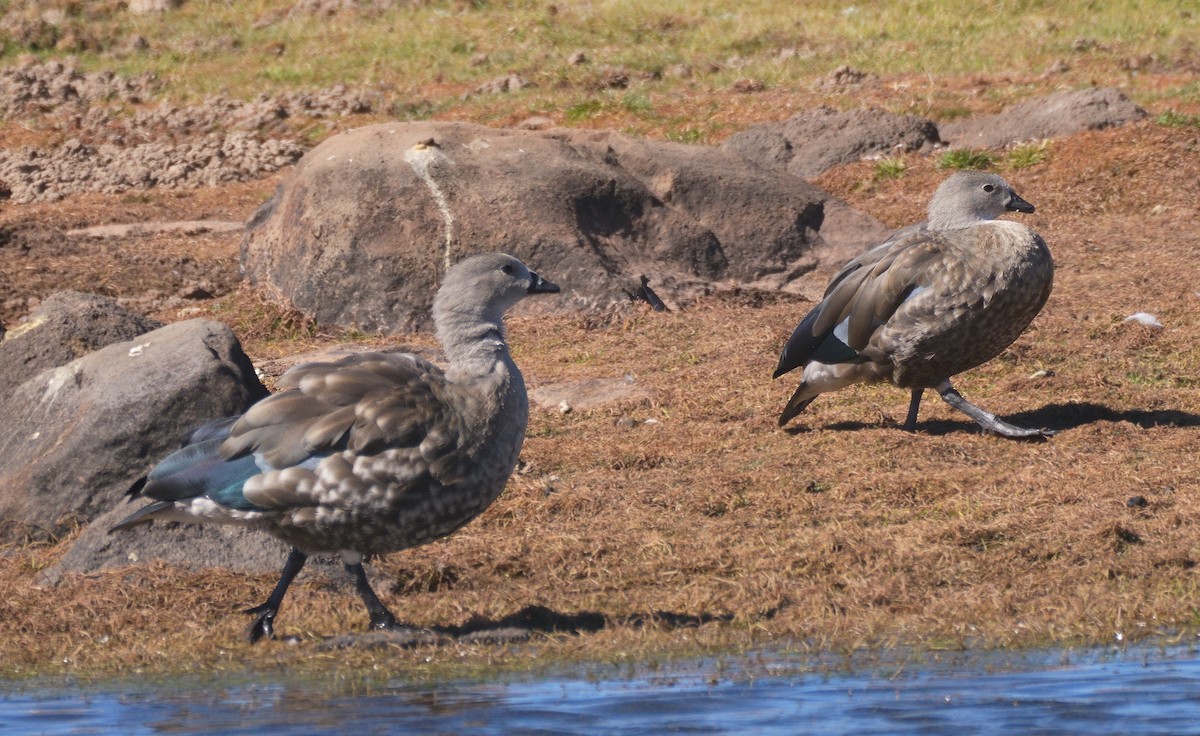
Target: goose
(935, 299)
(371, 454)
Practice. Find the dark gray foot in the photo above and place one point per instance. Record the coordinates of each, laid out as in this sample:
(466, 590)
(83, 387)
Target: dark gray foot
(910, 422)
(264, 623)
(991, 422)
(381, 618)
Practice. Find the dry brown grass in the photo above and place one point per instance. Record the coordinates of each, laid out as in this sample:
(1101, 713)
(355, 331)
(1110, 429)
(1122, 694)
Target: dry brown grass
(842, 533)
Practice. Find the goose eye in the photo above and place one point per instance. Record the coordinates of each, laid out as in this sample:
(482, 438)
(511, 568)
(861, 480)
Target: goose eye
(507, 268)
(989, 188)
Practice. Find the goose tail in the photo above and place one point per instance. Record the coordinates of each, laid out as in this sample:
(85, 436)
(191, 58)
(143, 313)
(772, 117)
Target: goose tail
(800, 400)
(141, 516)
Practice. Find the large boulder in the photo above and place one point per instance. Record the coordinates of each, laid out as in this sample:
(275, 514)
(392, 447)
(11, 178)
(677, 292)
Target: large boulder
(65, 326)
(189, 546)
(1054, 116)
(815, 140)
(361, 233)
(79, 435)
(773, 229)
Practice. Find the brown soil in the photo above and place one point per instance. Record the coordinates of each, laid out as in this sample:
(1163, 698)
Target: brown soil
(710, 526)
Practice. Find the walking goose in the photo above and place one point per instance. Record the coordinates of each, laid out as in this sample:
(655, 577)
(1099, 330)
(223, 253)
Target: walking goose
(371, 454)
(930, 302)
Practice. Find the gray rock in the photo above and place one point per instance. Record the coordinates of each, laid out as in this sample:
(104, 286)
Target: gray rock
(772, 229)
(188, 546)
(843, 77)
(1053, 116)
(815, 140)
(181, 545)
(500, 85)
(362, 231)
(81, 434)
(65, 326)
(536, 122)
(32, 87)
(33, 175)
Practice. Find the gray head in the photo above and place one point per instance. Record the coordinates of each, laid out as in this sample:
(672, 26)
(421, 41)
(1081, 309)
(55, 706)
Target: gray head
(970, 197)
(484, 287)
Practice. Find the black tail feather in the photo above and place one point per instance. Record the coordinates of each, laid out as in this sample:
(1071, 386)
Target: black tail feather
(135, 490)
(141, 516)
(800, 346)
(794, 407)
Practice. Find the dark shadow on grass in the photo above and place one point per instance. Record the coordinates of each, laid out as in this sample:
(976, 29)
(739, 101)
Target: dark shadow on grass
(1070, 416)
(517, 627)
(1057, 417)
(539, 619)
(533, 619)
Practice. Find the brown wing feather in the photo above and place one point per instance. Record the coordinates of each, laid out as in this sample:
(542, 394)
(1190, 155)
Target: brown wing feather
(403, 416)
(274, 426)
(868, 290)
(329, 430)
(891, 281)
(366, 402)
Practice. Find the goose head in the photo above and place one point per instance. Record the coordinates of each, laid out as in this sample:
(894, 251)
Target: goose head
(970, 197)
(486, 286)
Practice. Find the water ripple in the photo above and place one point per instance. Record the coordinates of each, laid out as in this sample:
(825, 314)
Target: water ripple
(1136, 692)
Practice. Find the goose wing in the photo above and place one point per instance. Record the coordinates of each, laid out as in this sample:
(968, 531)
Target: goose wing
(266, 459)
(861, 297)
(365, 403)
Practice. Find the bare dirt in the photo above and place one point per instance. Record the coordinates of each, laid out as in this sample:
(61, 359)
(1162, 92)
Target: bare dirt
(684, 518)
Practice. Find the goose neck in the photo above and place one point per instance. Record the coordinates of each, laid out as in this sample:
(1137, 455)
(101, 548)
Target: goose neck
(473, 343)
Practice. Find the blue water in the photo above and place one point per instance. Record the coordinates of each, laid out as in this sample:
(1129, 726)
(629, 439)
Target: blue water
(1131, 691)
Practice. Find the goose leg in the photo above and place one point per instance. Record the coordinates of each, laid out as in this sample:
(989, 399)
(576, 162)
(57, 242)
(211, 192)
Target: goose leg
(910, 423)
(988, 421)
(264, 624)
(381, 617)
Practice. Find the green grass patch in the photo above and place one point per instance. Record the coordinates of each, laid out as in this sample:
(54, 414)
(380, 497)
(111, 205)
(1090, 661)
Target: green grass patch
(1173, 119)
(686, 135)
(890, 167)
(965, 158)
(236, 48)
(637, 104)
(581, 111)
(1028, 154)
(946, 113)
(1145, 379)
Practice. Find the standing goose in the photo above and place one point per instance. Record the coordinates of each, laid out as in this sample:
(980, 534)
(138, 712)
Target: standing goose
(371, 454)
(930, 302)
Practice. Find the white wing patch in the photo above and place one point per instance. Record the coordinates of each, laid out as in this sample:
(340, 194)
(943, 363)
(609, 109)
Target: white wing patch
(842, 331)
